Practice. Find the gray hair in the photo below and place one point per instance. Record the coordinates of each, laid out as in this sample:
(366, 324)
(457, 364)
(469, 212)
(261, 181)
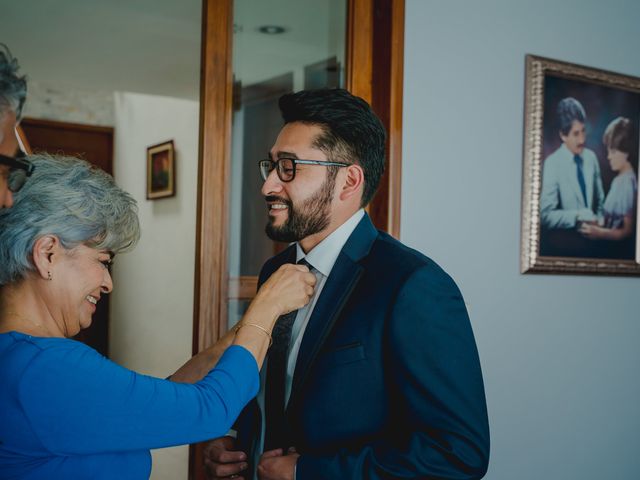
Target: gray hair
(13, 89)
(68, 198)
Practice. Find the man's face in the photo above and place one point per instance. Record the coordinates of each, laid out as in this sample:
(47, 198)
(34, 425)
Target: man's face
(302, 207)
(575, 139)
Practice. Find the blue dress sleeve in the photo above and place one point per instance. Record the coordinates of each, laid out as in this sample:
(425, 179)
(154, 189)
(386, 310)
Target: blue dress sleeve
(79, 402)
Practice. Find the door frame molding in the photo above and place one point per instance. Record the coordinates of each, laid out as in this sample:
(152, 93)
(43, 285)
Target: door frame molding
(374, 71)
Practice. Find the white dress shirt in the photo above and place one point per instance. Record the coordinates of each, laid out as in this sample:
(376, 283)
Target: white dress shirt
(322, 258)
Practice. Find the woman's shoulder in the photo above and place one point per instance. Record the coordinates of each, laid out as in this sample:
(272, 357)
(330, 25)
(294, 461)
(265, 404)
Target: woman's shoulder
(625, 183)
(22, 347)
(622, 194)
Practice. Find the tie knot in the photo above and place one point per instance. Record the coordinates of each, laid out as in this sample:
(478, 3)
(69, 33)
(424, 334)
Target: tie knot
(578, 159)
(303, 261)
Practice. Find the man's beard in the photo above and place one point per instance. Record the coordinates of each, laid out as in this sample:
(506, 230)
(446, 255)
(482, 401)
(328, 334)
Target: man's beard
(312, 216)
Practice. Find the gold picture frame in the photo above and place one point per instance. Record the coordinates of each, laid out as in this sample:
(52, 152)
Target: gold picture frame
(562, 247)
(161, 171)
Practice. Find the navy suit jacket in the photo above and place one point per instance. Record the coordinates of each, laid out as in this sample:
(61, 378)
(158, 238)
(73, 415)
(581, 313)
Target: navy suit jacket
(387, 383)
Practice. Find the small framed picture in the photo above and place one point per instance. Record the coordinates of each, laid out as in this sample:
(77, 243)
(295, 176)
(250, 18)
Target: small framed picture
(161, 171)
(580, 170)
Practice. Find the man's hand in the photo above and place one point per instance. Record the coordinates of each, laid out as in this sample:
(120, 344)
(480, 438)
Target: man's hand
(276, 466)
(591, 231)
(221, 461)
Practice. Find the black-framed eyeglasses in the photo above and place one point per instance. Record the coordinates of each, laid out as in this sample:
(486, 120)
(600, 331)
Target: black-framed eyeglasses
(286, 167)
(19, 170)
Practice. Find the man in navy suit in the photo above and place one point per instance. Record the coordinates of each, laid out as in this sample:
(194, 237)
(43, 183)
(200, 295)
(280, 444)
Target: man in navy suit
(378, 376)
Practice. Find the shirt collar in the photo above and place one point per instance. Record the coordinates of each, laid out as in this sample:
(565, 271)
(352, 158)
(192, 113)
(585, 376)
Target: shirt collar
(325, 254)
(568, 153)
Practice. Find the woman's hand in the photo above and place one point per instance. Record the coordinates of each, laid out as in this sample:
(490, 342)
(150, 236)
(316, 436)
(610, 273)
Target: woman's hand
(590, 230)
(289, 288)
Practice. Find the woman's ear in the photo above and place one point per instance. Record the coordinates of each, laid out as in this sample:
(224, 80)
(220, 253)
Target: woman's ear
(353, 182)
(46, 251)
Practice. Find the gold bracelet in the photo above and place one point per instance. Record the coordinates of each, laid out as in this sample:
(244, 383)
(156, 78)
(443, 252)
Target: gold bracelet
(259, 327)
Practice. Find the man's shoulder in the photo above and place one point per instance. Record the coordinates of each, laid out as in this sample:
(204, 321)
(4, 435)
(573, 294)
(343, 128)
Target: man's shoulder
(558, 156)
(589, 155)
(392, 258)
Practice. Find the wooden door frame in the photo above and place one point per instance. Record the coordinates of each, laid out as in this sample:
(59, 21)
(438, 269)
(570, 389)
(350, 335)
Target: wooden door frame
(374, 71)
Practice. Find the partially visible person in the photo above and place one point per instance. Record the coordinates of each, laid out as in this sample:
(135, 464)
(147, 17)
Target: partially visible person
(13, 93)
(65, 410)
(620, 205)
(572, 189)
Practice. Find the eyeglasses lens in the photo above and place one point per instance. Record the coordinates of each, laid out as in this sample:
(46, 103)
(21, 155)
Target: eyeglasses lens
(266, 166)
(17, 179)
(286, 169)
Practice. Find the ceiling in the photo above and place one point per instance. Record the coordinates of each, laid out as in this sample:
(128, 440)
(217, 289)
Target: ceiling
(153, 46)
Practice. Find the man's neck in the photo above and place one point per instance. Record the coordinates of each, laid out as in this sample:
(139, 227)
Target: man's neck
(308, 243)
(625, 168)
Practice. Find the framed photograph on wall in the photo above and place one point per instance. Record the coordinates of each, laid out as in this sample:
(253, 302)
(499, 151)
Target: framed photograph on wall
(580, 170)
(161, 171)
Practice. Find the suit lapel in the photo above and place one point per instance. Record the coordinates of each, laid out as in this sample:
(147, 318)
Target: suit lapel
(334, 296)
(337, 289)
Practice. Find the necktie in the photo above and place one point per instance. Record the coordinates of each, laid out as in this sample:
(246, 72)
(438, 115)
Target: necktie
(276, 435)
(580, 174)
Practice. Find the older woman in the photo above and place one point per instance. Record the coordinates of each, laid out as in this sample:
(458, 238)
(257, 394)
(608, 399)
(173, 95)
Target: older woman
(66, 411)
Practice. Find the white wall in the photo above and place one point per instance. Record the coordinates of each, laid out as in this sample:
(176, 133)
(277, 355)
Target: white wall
(47, 100)
(152, 302)
(560, 354)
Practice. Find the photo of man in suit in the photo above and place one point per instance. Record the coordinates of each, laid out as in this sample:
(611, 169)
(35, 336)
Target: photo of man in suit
(572, 189)
(378, 376)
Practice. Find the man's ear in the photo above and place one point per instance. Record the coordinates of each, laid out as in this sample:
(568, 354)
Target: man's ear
(46, 252)
(353, 183)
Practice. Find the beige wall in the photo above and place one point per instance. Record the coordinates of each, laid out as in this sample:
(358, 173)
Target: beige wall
(152, 301)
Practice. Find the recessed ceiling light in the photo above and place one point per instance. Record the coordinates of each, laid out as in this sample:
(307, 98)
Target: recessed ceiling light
(272, 29)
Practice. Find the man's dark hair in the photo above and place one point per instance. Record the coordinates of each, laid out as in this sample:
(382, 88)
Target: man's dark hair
(570, 109)
(13, 88)
(352, 132)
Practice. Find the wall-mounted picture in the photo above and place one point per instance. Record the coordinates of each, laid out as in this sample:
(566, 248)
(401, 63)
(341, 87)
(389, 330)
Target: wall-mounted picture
(161, 171)
(580, 172)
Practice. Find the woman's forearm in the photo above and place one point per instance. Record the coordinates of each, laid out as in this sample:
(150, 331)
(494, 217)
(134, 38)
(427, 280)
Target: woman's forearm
(253, 333)
(254, 330)
(618, 233)
(199, 365)
(288, 289)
